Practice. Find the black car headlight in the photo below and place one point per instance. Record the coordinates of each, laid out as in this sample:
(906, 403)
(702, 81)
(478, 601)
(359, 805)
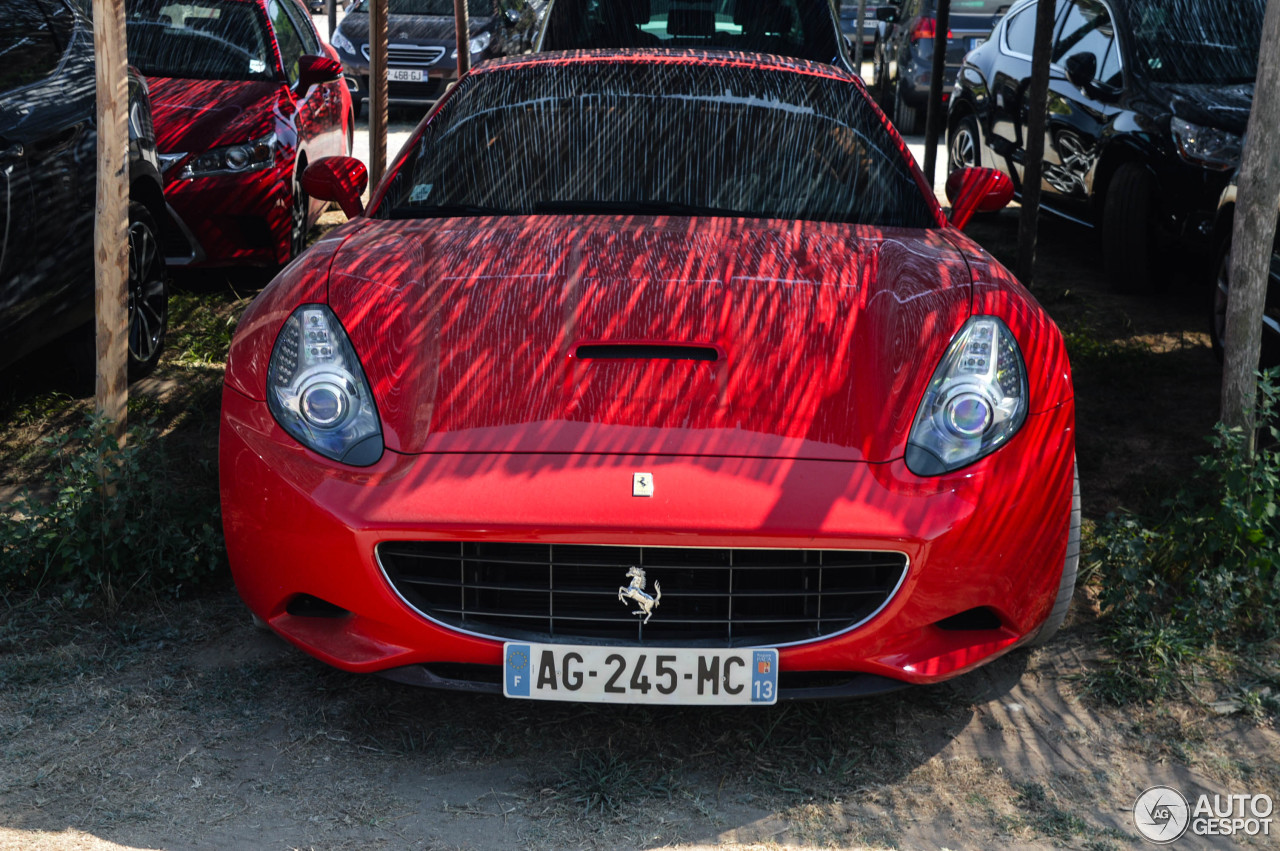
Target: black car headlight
(975, 402)
(233, 159)
(477, 44)
(317, 392)
(341, 42)
(1206, 146)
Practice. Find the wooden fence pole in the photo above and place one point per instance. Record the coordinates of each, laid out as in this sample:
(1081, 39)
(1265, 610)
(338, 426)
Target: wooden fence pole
(111, 214)
(1033, 169)
(1252, 235)
(857, 37)
(462, 29)
(377, 90)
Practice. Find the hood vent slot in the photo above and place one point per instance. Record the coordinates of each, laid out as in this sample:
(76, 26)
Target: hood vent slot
(647, 351)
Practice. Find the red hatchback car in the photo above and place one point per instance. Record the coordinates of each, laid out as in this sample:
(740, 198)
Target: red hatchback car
(651, 377)
(245, 95)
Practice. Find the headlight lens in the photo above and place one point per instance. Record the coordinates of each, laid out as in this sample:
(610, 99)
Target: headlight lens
(476, 45)
(341, 42)
(233, 159)
(1207, 146)
(317, 391)
(976, 401)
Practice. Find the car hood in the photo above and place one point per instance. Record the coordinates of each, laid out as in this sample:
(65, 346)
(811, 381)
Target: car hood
(196, 115)
(410, 28)
(1225, 107)
(825, 335)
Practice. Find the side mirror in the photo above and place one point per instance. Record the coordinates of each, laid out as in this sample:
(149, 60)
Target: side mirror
(887, 14)
(341, 179)
(317, 70)
(975, 190)
(1081, 68)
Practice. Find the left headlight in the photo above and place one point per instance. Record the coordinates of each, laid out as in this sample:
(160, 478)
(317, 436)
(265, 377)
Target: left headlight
(317, 391)
(1207, 146)
(233, 159)
(476, 45)
(976, 401)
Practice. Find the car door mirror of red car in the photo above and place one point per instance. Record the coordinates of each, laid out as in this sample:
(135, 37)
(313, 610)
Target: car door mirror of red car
(316, 70)
(977, 190)
(341, 179)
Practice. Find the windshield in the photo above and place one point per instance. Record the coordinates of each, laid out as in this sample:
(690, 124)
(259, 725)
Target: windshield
(655, 138)
(800, 28)
(201, 39)
(437, 8)
(1196, 41)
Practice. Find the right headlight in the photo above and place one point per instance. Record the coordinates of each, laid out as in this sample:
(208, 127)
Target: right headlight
(976, 401)
(317, 392)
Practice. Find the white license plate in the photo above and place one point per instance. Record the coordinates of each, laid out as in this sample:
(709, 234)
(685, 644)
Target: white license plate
(405, 75)
(975, 43)
(633, 675)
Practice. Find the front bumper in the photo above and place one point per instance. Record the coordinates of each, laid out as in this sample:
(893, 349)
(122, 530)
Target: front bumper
(231, 219)
(991, 536)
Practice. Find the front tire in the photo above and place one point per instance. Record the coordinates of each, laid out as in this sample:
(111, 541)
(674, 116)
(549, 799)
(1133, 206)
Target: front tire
(1127, 231)
(148, 293)
(299, 208)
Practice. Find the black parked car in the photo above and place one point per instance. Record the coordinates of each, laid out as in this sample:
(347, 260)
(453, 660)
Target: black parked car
(1271, 311)
(903, 53)
(48, 170)
(868, 27)
(805, 29)
(422, 55)
(1148, 101)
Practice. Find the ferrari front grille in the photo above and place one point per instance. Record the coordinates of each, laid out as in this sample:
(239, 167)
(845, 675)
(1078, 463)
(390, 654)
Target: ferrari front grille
(661, 596)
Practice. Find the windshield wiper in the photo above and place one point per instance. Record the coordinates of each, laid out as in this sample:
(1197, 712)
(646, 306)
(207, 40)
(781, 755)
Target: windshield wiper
(641, 208)
(446, 211)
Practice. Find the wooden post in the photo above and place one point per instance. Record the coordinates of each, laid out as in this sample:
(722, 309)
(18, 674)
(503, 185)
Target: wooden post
(462, 29)
(933, 117)
(333, 17)
(111, 215)
(1033, 169)
(1252, 235)
(857, 37)
(377, 90)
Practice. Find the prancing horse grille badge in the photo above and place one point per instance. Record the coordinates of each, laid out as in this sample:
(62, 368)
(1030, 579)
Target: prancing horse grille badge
(635, 591)
(642, 484)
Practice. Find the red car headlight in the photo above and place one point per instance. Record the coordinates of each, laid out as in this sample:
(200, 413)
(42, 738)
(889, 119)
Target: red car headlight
(976, 401)
(317, 391)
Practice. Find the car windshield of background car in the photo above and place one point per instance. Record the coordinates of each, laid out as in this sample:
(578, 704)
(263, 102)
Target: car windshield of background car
(436, 8)
(33, 36)
(202, 40)
(1196, 41)
(659, 138)
(799, 28)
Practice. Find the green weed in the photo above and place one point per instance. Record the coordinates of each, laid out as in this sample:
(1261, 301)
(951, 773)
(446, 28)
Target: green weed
(109, 520)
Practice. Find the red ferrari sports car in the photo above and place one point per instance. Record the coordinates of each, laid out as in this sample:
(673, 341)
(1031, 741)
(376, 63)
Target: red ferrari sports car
(245, 95)
(651, 377)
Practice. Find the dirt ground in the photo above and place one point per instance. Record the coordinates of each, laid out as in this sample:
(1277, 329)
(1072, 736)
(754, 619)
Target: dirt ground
(180, 726)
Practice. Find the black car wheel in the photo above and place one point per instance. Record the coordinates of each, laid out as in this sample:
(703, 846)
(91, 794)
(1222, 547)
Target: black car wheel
(148, 293)
(1127, 232)
(298, 213)
(962, 147)
(906, 118)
